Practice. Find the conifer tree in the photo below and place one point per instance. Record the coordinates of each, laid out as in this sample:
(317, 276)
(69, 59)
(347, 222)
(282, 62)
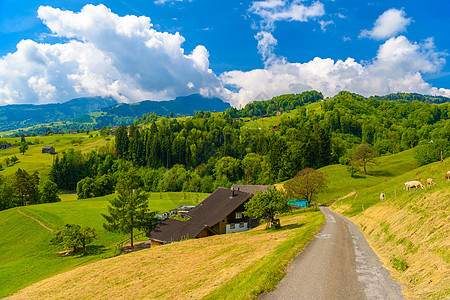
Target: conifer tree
(129, 210)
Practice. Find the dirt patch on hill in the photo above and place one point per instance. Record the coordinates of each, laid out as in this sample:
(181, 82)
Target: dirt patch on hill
(36, 220)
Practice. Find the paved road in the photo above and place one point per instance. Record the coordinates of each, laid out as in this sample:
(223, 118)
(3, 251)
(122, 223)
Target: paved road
(337, 264)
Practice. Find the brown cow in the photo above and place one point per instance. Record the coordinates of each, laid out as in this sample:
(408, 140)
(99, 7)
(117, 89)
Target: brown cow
(447, 176)
(430, 182)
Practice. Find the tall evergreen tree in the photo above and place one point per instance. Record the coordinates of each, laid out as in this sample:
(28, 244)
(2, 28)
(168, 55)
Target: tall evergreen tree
(122, 142)
(129, 210)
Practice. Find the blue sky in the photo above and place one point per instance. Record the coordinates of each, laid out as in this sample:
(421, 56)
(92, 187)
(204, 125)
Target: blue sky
(52, 51)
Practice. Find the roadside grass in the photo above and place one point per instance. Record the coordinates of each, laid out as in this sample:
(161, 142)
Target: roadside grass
(26, 255)
(196, 268)
(263, 275)
(409, 231)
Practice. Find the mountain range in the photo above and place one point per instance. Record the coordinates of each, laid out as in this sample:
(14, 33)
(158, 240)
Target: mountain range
(98, 111)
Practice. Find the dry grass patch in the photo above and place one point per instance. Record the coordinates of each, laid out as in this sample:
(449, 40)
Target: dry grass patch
(189, 269)
(412, 238)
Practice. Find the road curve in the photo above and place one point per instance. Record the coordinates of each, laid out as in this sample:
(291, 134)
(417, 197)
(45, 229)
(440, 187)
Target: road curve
(337, 264)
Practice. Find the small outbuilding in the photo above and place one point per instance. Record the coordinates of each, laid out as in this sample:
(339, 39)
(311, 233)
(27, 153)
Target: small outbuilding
(48, 149)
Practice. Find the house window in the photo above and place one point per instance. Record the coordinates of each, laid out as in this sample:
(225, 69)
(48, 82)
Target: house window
(239, 215)
(231, 226)
(241, 225)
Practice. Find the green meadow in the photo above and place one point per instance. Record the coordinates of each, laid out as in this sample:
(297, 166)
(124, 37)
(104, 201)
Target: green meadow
(26, 255)
(35, 160)
(268, 123)
(385, 168)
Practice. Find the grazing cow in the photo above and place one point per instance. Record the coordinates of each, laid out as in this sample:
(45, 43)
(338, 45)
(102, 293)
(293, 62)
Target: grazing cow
(413, 184)
(430, 181)
(447, 176)
(382, 196)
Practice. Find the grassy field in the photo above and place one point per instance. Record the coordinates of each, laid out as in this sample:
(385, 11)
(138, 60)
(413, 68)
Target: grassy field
(25, 253)
(409, 231)
(341, 184)
(234, 266)
(35, 160)
(268, 123)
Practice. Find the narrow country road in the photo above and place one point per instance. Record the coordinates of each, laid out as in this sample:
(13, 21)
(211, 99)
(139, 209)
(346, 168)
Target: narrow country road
(337, 264)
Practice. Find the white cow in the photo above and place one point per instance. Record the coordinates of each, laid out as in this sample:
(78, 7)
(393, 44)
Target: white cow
(413, 184)
(382, 196)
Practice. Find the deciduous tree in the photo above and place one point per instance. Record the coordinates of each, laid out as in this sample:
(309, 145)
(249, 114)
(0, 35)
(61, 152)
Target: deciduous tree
(363, 155)
(49, 192)
(23, 148)
(75, 237)
(266, 205)
(307, 184)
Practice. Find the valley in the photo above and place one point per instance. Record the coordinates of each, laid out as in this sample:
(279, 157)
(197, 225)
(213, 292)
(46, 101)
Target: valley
(180, 161)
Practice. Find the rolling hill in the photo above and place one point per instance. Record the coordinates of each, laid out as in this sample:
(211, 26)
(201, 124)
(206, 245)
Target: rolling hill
(26, 115)
(186, 105)
(409, 231)
(26, 255)
(88, 113)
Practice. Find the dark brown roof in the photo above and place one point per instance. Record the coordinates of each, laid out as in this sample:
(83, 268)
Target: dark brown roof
(171, 230)
(209, 212)
(251, 189)
(218, 205)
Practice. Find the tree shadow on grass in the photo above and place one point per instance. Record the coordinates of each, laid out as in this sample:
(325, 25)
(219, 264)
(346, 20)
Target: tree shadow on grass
(358, 176)
(381, 173)
(91, 250)
(288, 227)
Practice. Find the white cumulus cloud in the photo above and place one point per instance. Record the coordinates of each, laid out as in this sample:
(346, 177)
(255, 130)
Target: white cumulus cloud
(271, 11)
(389, 24)
(397, 67)
(106, 55)
(281, 10)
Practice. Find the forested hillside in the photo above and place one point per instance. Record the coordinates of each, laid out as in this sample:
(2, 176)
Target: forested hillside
(90, 113)
(204, 152)
(186, 105)
(208, 150)
(21, 116)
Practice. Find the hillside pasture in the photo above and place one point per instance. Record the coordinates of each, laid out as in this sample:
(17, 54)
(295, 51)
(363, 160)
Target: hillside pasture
(233, 266)
(409, 230)
(26, 255)
(35, 160)
(268, 123)
(342, 186)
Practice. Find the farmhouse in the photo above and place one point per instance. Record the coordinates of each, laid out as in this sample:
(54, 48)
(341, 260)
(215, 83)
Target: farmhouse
(5, 146)
(48, 149)
(221, 212)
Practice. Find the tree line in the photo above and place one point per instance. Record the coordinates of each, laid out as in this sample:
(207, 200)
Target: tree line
(23, 189)
(207, 151)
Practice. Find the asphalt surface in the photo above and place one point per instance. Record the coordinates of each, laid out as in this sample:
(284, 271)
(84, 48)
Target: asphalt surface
(337, 264)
